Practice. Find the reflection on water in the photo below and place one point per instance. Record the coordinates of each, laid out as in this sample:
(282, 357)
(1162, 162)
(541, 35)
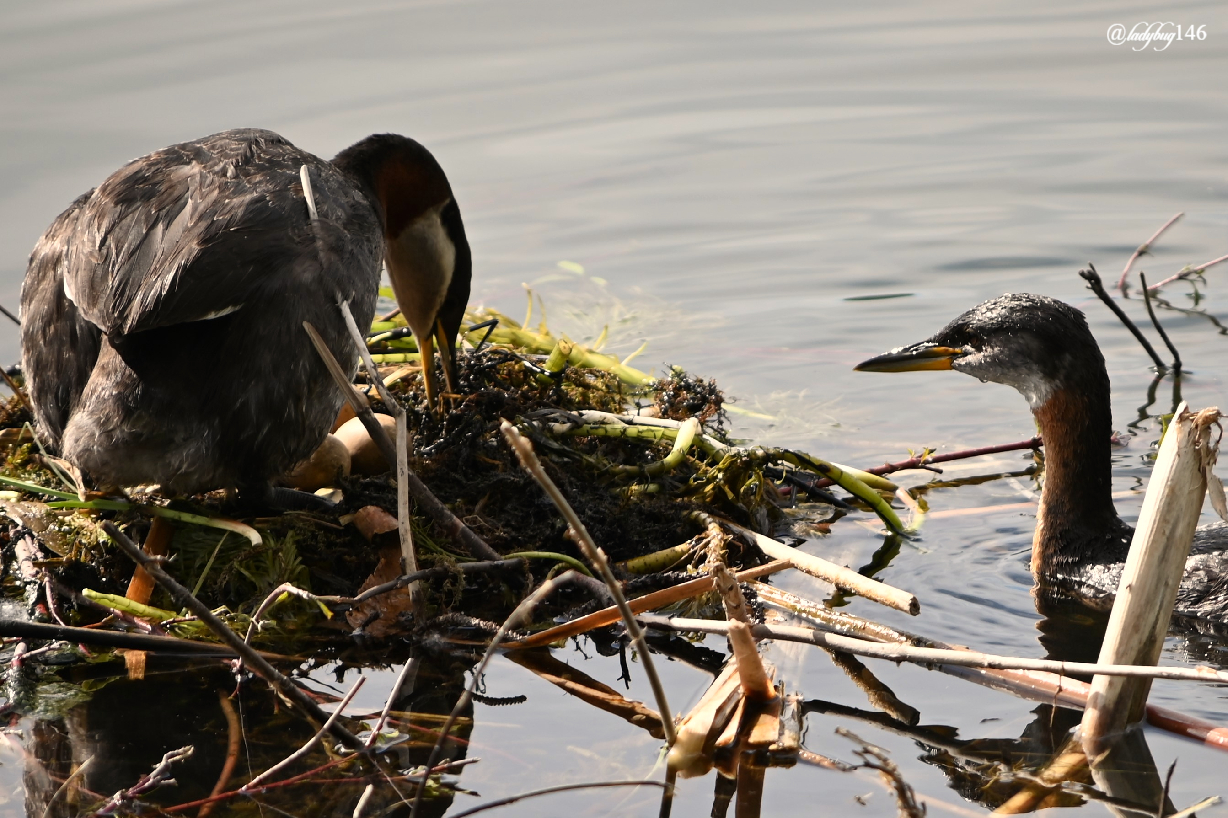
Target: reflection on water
(743, 185)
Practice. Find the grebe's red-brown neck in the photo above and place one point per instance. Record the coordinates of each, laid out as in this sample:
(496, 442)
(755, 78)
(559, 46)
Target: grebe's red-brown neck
(425, 247)
(1076, 506)
(1044, 349)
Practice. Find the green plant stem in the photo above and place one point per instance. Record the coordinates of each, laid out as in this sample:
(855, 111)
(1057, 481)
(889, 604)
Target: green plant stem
(570, 562)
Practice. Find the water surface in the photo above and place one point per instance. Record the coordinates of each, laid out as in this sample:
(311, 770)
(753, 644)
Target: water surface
(737, 182)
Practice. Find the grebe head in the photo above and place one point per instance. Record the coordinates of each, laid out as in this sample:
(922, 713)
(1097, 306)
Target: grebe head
(425, 248)
(1030, 342)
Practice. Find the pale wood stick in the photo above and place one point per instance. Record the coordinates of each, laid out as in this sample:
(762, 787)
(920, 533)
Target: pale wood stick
(409, 559)
(448, 522)
(657, 599)
(697, 729)
(1036, 685)
(1145, 247)
(906, 653)
(751, 673)
(837, 575)
(1154, 568)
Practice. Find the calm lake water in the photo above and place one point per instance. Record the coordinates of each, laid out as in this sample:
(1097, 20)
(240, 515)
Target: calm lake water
(737, 181)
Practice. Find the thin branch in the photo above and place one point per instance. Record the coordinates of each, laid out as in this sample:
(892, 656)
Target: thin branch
(925, 460)
(9, 315)
(234, 735)
(253, 660)
(1155, 322)
(1143, 248)
(524, 451)
(1190, 271)
(411, 666)
(657, 599)
(114, 639)
(1097, 286)
(522, 610)
(161, 774)
(301, 752)
(512, 799)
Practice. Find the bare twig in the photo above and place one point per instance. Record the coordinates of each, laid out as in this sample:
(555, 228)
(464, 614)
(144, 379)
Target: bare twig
(16, 390)
(448, 522)
(1155, 322)
(514, 619)
(161, 774)
(234, 735)
(524, 451)
(926, 656)
(9, 315)
(361, 806)
(657, 599)
(113, 639)
(875, 758)
(925, 461)
(68, 782)
(1189, 271)
(253, 660)
(409, 559)
(838, 575)
(512, 799)
(1097, 286)
(301, 752)
(408, 668)
(273, 596)
(1144, 248)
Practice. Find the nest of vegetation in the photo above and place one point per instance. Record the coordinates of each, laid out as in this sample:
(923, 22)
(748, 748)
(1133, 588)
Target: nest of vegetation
(632, 505)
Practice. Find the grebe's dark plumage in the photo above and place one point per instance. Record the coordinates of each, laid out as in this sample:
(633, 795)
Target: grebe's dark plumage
(162, 336)
(1044, 349)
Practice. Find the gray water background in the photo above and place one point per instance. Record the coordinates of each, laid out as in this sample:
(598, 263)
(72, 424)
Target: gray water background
(728, 175)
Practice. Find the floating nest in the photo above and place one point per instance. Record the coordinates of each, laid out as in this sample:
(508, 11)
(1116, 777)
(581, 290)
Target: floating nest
(610, 437)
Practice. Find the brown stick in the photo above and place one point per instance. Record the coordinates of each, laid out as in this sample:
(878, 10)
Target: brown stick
(253, 660)
(409, 559)
(594, 554)
(926, 460)
(1155, 322)
(1097, 286)
(1145, 247)
(234, 732)
(448, 522)
(657, 599)
(121, 639)
(574, 681)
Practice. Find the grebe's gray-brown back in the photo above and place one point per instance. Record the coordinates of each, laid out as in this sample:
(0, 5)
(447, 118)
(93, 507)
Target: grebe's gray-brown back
(162, 312)
(1044, 349)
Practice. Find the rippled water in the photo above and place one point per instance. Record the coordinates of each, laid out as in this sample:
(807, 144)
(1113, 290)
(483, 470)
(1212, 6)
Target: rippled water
(736, 181)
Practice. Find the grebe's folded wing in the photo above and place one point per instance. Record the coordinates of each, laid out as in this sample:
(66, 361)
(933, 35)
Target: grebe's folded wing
(219, 207)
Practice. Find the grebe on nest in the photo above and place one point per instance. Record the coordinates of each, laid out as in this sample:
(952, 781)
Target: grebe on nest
(162, 312)
(1044, 349)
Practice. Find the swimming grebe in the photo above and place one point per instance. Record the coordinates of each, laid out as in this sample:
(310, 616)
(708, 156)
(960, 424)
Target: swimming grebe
(162, 312)
(1044, 349)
